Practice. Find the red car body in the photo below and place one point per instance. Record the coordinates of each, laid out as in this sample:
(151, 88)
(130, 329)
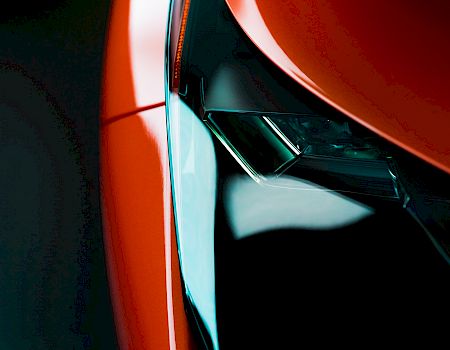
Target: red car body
(382, 63)
(141, 252)
(384, 74)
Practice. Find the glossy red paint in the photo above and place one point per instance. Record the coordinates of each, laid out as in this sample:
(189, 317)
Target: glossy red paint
(134, 56)
(139, 234)
(383, 63)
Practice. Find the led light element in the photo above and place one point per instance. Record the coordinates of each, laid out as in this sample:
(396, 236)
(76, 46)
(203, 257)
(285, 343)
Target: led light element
(255, 141)
(307, 146)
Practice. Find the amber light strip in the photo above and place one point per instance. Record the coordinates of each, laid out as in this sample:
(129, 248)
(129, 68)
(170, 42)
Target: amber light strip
(177, 65)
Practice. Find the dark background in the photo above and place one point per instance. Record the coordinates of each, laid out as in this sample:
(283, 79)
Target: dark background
(53, 284)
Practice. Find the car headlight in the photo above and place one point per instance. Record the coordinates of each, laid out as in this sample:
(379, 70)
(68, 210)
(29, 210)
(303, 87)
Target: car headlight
(221, 88)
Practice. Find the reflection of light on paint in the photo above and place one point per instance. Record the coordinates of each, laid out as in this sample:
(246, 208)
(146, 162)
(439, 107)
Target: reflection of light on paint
(155, 124)
(194, 177)
(253, 24)
(287, 203)
(147, 33)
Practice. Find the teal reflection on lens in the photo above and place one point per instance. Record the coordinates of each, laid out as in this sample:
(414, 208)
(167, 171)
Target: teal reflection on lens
(194, 181)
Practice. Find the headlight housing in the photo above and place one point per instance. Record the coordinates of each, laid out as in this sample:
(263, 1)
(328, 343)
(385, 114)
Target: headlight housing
(219, 84)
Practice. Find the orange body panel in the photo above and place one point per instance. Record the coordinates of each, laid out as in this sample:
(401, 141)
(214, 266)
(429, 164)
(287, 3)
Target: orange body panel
(134, 59)
(139, 233)
(383, 63)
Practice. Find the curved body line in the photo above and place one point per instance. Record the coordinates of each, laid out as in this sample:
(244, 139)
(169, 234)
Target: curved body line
(131, 113)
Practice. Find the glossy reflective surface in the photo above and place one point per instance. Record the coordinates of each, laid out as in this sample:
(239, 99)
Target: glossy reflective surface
(134, 59)
(142, 257)
(139, 237)
(295, 257)
(284, 261)
(287, 203)
(383, 63)
(194, 181)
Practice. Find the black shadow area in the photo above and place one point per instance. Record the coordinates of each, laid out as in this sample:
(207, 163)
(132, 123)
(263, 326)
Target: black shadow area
(53, 285)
